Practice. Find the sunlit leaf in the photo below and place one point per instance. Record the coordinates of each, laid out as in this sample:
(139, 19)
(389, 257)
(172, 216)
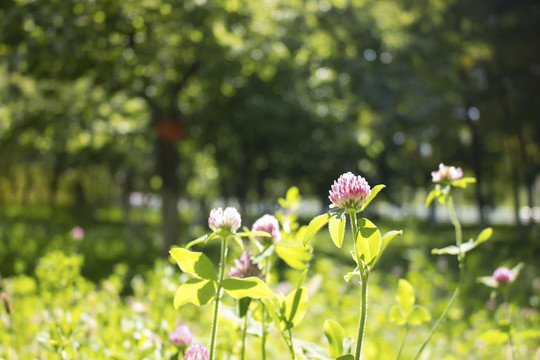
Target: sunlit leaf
(494, 337)
(372, 195)
(368, 242)
(484, 235)
(315, 225)
(196, 241)
(516, 269)
(405, 296)
(433, 194)
(252, 287)
(396, 316)
(194, 263)
(345, 357)
(418, 315)
(385, 241)
(488, 281)
(295, 306)
(334, 333)
(296, 256)
(337, 230)
(195, 291)
(463, 182)
(349, 275)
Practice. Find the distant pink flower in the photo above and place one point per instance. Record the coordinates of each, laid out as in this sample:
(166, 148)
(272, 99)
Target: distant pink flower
(449, 173)
(228, 219)
(181, 336)
(197, 352)
(503, 275)
(244, 268)
(269, 224)
(77, 233)
(349, 192)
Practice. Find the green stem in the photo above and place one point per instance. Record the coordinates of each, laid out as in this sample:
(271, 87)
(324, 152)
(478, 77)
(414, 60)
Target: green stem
(461, 260)
(459, 236)
(244, 332)
(363, 315)
(263, 322)
(291, 345)
(364, 274)
(439, 321)
(217, 298)
(509, 319)
(402, 342)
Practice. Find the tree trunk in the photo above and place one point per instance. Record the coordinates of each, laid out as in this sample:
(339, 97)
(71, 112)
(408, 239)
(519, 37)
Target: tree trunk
(476, 148)
(167, 161)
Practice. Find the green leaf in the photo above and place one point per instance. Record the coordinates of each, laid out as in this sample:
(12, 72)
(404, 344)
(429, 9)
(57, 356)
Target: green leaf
(243, 306)
(488, 281)
(349, 275)
(238, 240)
(252, 287)
(345, 357)
(405, 296)
(385, 241)
(296, 256)
(463, 182)
(396, 316)
(270, 306)
(195, 291)
(314, 226)
(253, 233)
(337, 230)
(516, 269)
(197, 241)
(494, 337)
(372, 195)
(368, 242)
(266, 253)
(418, 315)
(301, 278)
(335, 334)
(294, 307)
(311, 350)
(528, 334)
(484, 235)
(194, 263)
(433, 194)
(293, 195)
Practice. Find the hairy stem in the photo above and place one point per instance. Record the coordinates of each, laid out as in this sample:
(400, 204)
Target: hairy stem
(364, 274)
(363, 315)
(217, 299)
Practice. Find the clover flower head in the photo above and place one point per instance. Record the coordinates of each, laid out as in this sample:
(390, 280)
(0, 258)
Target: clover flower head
(181, 336)
(77, 233)
(244, 268)
(269, 224)
(449, 173)
(228, 219)
(197, 352)
(349, 192)
(503, 276)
